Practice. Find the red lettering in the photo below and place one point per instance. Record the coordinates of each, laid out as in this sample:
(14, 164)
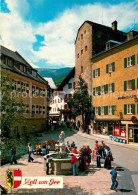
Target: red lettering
(52, 182)
(30, 182)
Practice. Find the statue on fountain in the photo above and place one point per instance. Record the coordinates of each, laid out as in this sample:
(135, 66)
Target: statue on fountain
(61, 137)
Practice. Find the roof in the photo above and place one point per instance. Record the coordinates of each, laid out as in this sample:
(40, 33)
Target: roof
(100, 26)
(50, 82)
(112, 41)
(19, 59)
(66, 80)
(115, 46)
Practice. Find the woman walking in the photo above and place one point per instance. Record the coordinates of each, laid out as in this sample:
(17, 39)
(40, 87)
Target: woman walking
(29, 153)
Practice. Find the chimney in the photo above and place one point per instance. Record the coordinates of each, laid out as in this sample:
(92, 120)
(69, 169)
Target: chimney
(114, 25)
(129, 35)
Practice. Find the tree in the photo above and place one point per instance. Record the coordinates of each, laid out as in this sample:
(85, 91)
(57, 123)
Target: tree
(81, 103)
(11, 106)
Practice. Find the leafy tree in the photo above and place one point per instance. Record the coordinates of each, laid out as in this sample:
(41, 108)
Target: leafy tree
(80, 103)
(12, 106)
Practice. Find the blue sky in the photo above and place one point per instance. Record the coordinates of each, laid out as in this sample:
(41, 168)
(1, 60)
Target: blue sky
(44, 31)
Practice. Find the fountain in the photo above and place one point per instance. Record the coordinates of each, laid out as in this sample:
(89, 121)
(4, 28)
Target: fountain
(61, 161)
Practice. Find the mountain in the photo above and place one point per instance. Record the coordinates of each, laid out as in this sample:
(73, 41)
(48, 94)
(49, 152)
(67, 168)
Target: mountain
(57, 75)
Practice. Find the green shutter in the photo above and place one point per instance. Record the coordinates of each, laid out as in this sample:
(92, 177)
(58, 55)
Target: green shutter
(113, 87)
(99, 110)
(133, 60)
(98, 71)
(113, 66)
(107, 68)
(113, 110)
(125, 62)
(125, 108)
(133, 84)
(133, 108)
(125, 85)
(105, 110)
(93, 73)
(106, 88)
(94, 91)
(99, 90)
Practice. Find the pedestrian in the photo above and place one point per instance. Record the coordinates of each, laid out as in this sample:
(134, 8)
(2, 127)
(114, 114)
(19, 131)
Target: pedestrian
(108, 159)
(75, 150)
(113, 178)
(67, 144)
(73, 145)
(48, 159)
(102, 148)
(39, 149)
(13, 153)
(98, 158)
(96, 145)
(74, 164)
(89, 151)
(29, 153)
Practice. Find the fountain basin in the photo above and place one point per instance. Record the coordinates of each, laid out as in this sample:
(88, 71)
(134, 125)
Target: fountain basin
(61, 166)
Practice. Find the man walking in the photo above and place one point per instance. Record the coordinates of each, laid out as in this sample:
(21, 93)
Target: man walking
(113, 177)
(13, 152)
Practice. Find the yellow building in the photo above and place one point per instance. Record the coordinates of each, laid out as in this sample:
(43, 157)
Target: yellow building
(115, 89)
(32, 88)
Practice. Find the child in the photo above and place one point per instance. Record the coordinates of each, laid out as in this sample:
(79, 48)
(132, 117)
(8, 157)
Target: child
(98, 158)
(113, 177)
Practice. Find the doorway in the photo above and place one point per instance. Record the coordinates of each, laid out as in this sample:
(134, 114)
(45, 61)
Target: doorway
(133, 135)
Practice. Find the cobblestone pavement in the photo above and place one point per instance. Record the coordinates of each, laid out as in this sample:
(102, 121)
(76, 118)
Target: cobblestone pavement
(94, 181)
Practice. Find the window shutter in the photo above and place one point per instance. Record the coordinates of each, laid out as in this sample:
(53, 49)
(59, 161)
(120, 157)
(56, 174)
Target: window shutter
(98, 71)
(93, 73)
(113, 66)
(105, 110)
(94, 91)
(99, 110)
(133, 60)
(133, 84)
(113, 87)
(133, 108)
(107, 68)
(107, 88)
(99, 90)
(125, 108)
(113, 110)
(125, 85)
(125, 62)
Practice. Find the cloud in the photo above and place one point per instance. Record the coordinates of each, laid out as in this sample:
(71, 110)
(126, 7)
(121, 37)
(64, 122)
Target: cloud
(59, 35)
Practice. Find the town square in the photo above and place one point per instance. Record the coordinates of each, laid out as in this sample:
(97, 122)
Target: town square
(69, 97)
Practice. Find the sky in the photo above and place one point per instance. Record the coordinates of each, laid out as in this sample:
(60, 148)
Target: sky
(44, 31)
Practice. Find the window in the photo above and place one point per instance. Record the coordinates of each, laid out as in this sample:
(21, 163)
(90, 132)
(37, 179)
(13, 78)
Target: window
(81, 36)
(81, 51)
(16, 85)
(129, 108)
(110, 110)
(96, 91)
(129, 85)
(78, 55)
(96, 110)
(110, 88)
(33, 109)
(44, 110)
(96, 72)
(102, 110)
(69, 85)
(85, 32)
(24, 68)
(34, 73)
(110, 67)
(81, 69)
(129, 61)
(21, 67)
(8, 62)
(86, 48)
(102, 89)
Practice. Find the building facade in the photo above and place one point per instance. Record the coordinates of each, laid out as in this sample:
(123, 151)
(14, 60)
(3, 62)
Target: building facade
(115, 89)
(33, 90)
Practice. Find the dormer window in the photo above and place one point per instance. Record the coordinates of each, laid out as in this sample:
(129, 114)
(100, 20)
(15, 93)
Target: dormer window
(8, 62)
(34, 73)
(24, 68)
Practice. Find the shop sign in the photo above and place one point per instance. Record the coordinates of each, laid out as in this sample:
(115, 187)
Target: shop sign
(127, 97)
